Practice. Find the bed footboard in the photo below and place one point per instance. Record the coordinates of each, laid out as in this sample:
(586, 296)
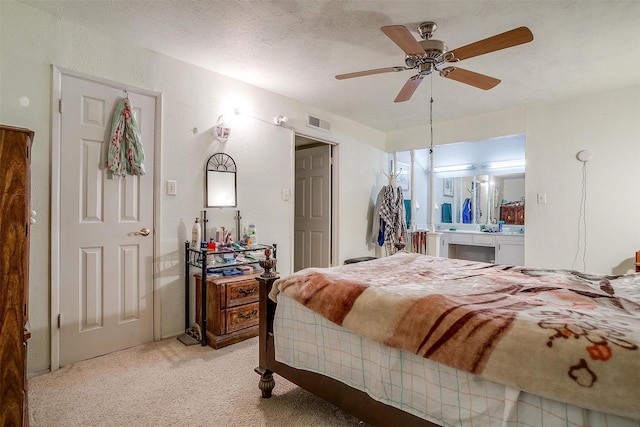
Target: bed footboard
(351, 400)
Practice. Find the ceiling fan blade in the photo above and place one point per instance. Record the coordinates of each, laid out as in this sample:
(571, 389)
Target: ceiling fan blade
(504, 40)
(403, 38)
(469, 77)
(370, 72)
(409, 87)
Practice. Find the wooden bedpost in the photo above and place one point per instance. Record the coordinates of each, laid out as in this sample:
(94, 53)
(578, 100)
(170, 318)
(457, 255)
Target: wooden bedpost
(267, 311)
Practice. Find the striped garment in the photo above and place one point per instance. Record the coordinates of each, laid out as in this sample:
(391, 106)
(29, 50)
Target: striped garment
(392, 213)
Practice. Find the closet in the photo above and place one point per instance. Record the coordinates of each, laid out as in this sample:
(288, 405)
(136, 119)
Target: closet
(15, 160)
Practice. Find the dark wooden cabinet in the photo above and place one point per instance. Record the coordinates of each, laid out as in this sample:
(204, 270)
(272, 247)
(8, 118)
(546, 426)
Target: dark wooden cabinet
(232, 309)
(15, 167)
(512, 214)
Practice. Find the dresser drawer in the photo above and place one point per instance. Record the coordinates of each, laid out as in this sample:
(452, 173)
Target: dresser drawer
(482, 239)
(459, 238)
(242, 317)
(240, 293)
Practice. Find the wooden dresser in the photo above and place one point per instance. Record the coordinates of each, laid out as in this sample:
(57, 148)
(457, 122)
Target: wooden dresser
(232, 308)
(15, 161)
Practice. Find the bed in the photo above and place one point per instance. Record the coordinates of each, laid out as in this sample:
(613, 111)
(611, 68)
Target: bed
(417, 340)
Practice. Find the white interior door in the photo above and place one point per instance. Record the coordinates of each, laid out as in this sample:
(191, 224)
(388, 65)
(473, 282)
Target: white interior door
(312, 222)
(106, 280)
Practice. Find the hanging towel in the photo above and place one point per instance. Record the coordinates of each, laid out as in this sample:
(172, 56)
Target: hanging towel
(125, 155)
(446, 213)
(407, 211)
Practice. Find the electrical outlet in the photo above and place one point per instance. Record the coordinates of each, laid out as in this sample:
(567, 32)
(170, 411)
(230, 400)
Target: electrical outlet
(542, 198)
(172, 189)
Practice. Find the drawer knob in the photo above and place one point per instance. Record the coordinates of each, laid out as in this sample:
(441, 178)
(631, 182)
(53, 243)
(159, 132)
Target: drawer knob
(248, 316)
(248, 292)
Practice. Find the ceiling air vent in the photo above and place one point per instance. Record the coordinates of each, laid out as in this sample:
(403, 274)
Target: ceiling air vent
(318, 123)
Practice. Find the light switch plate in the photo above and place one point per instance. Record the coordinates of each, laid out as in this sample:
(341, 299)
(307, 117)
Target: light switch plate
(542, 198)
(172, 189)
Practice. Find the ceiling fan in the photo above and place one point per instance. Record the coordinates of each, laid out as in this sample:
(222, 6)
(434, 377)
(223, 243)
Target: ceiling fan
(430, 55)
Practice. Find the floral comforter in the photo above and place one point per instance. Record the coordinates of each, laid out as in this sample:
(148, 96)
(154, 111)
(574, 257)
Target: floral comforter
(564, 335)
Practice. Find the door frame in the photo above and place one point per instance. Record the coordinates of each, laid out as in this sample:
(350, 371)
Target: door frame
(56, 141)
(335, 195)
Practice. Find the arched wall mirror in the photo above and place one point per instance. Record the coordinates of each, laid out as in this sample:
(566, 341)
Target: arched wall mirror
(220, 181)
(474, 175)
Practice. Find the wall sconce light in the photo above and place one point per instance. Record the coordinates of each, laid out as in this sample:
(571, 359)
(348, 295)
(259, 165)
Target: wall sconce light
(280, 120)
(454, 168)
(221, 131)
(505, 164)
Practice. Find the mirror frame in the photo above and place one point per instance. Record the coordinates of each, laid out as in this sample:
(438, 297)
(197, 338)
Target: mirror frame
(220, 163)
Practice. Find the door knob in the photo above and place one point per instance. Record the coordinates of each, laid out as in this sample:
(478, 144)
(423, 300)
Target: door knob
(143, 232)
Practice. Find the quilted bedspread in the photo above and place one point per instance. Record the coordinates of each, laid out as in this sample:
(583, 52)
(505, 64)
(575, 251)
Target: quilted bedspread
(560, 334)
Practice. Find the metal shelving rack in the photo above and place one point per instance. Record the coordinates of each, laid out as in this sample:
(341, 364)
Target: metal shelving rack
(198, 258)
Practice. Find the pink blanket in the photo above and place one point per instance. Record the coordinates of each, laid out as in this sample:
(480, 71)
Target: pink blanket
(563, 335)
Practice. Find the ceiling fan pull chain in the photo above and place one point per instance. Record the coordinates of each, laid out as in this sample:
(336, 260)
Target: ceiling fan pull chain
(431, 112)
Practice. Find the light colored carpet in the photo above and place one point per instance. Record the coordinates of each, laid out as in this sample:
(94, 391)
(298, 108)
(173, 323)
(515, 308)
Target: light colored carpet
(169, 384)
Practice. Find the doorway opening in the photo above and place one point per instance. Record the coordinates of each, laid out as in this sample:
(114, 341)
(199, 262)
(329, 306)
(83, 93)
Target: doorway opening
(315, 203)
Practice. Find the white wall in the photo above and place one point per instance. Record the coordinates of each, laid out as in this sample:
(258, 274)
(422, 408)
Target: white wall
(608, 124)
(32, 41)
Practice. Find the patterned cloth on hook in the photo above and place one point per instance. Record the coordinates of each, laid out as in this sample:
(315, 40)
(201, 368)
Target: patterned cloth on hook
(125, 155)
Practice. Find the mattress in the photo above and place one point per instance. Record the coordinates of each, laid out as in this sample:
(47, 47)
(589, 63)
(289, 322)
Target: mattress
(443, 395)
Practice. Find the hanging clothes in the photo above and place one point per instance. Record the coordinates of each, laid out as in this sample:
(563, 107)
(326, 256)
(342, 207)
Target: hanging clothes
(389, 221)
(125, 154)
(467, 212)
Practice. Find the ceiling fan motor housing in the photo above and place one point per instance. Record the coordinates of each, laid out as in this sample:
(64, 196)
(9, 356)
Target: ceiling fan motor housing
(434, 49)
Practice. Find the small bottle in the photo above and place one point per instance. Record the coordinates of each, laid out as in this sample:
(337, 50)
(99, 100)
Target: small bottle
(195, 234)
(500, 223)
(252, 234)
(211, 247)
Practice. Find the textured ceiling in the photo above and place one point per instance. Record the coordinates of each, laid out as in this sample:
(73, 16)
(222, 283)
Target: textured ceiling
(295, 48)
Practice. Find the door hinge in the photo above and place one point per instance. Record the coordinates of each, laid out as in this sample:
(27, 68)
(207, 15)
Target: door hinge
(60, 105)
(59, 320)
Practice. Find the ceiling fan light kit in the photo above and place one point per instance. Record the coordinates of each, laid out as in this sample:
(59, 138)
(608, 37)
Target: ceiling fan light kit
(429, 55)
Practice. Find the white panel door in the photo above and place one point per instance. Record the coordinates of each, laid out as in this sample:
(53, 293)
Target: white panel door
(312, 222)
(106, 280)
